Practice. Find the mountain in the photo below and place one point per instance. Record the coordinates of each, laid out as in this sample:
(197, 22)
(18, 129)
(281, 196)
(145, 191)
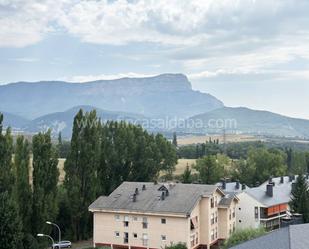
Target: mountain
(159, 96)
(244, 120)
(63, 121)
(14, 121)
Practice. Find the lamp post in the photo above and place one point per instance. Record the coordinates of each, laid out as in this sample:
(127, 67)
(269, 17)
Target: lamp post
(59, 231)
(44, 235)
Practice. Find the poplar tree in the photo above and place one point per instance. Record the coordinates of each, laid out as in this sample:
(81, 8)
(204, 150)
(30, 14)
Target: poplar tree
(23, 189)
(81, 172)
(45, 180)
(6, 150)
(10, 226)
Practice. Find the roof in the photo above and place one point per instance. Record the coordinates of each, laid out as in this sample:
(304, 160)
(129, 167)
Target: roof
(182, 198)
(228, 199)
(230, 187)
(292, 237)
(281, 193)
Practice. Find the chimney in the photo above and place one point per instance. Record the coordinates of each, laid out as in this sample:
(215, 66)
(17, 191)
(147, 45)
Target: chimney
(290, 178)
(134, 197)
(307, 176)
(155, 182)
(167, 193)
(136, 191)
(293, 177)
(281, 179)
(223, 184)
(162, 196)
(144, 187)
(257, 184)
(270, 190)
(237, 184)
(270, 180)
(243, 186)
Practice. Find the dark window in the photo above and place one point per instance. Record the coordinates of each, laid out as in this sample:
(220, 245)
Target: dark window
(163, 221)
(126, 238)
(126, 223)
(135, 235)
(212, 204)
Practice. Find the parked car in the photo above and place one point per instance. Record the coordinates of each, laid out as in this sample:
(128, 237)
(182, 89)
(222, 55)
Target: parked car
(62, 244)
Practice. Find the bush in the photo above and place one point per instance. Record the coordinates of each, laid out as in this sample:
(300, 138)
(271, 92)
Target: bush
(241, 236)
(177, 246)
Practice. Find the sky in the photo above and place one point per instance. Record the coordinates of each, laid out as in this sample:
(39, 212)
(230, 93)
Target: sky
(252, 53)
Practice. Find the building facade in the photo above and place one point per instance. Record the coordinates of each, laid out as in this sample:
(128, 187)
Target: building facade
(149, 215)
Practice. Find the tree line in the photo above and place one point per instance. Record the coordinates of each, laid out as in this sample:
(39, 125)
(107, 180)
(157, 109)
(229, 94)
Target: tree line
(100, 157)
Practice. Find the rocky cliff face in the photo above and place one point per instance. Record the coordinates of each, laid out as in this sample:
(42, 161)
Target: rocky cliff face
(160, 96)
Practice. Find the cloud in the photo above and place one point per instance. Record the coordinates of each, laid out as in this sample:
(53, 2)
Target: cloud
(25, 59)
(26, 22)
(87, 78)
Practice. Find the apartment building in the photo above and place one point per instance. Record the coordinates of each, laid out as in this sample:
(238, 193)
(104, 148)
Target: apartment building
(150, 215)
(265, 205)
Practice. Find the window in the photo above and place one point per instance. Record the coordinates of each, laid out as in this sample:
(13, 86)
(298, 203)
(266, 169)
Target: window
(126, 238)
(163, 221)
(135, 218)
(117, 217)
(212, 219)
(196, 240)
(212, 235)
(239, 209)
(216, 201)
(216, 233)
(230, 214)
(192, 240)
(126, 221)
(234, 212)
(145, 223)
(239, 221)
(212, 203)
(163, 237)
(135, 235)
(117, 234)
(256, 212)
(145, 239)
(216, 217)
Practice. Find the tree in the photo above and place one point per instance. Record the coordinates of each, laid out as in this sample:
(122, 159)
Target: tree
(209, 170)
(10, 226)
(300, 197)
(81, 172)
(298, 163)
(244, 172)
(186, 176)
(175, 139)
(45, 180)
(6, 150)
(244, 235)
(22, 186)
(289, 153)
(266, 163)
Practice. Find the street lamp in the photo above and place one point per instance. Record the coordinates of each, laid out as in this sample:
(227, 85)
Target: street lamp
(44, 235)
(59, 231)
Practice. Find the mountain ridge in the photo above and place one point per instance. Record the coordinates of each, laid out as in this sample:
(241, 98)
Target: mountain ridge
(173, 92)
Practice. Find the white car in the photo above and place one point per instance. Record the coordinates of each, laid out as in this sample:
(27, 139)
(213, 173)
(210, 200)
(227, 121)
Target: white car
(62, 244)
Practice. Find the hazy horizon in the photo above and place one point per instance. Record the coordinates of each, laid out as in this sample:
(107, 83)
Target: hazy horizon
(244, 52)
